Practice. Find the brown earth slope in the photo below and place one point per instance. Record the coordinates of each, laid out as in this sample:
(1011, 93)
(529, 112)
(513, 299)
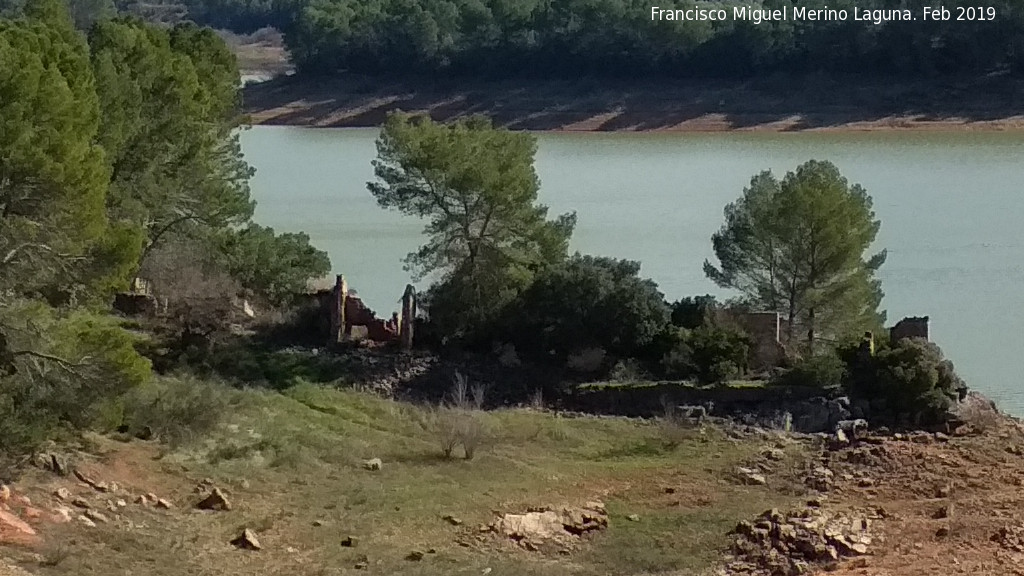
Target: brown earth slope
(591, 105)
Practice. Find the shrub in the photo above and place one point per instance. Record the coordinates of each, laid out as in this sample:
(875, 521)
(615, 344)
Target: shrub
(694, 311)
(824, 371)
(176, 410)
(710, 354)
(458, 422)
(677, 428)
(909, 380)
(628, 370)
(64, 371)
(587, 302)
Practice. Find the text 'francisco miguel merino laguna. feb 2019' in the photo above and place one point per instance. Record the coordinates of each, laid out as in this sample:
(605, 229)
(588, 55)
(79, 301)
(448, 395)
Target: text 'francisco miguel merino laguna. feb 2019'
(758, 15)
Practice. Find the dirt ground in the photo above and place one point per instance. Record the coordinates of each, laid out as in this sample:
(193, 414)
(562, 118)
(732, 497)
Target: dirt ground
(945, 504)
(774, 105)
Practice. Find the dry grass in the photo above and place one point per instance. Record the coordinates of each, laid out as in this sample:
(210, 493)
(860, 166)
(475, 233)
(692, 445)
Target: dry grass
(292, 466)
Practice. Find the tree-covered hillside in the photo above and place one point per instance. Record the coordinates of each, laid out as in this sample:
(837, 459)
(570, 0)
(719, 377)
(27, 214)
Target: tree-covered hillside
(503, 38)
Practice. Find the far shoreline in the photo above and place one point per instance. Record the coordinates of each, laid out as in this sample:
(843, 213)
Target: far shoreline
(847, 105)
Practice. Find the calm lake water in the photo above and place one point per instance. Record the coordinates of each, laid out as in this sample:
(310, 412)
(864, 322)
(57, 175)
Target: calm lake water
(951, 205)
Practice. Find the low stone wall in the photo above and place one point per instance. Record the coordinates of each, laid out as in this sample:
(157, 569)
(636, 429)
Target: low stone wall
(808, 408)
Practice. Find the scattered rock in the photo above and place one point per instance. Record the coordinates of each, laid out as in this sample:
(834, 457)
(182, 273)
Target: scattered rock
(349, 541)
(752, 477)
(216, 500)
(92, 483)
(670, 490)
(163, 504)
(944, 491)
(55, 463)
(1010, 537)
(548, 525)
(61, 515)
(247, 541)
(820, 479)
(81, 503)
(120, 503)
(942, 512)
(633, 517)
(773, 454)
(96, 516)
(454, 521)
(942, 532)
(840, 438)
(373, 464)
(360, 565)
(784, 544)
(5, 493)
(922, 438)
(414, 556)
(62, 494)
(318, 523)
(88, 522)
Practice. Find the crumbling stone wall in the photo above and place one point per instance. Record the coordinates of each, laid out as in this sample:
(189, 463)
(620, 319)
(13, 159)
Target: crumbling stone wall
(764, 329)
(351, 319)
(910, 327)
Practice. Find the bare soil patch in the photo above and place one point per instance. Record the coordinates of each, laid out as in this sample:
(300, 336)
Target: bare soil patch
(774, 105)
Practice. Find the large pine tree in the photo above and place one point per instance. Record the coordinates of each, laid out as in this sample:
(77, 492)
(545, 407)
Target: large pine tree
(798, 246)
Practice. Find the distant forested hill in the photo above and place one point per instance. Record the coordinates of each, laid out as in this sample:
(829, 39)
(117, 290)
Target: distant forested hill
(603, 38)
(545, 38)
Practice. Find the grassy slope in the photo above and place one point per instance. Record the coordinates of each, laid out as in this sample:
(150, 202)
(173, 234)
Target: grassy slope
(300, 456)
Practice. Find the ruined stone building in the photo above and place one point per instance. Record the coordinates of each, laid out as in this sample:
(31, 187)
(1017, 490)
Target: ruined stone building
(909, 327)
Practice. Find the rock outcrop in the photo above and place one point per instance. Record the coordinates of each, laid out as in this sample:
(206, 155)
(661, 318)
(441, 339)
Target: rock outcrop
(779, 544)
(546, 525)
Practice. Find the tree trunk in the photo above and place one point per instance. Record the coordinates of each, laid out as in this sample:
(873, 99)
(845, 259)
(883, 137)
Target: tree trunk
(810, 331)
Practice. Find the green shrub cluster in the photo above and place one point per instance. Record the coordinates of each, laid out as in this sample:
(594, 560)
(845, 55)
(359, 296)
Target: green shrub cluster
(710, 354)
(910, 382)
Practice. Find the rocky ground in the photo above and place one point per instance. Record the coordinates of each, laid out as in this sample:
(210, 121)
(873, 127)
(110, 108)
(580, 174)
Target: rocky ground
(900, 504)
(867, 503)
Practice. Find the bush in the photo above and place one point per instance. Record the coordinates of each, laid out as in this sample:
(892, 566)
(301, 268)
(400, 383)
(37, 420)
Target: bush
(627, 371)
(585, 303)
(694, 311)
(64, 371)
(176, 410)
(458, 421)
(710, 354)
(824, 371)
(911, 380)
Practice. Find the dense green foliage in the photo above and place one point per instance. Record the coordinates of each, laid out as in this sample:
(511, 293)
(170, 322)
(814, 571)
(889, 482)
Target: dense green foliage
(477, 188)
(693, 311)
(587, 302)
(826, 371)
(502, 38)
(52, 173)
(169, 105)
(277, 267)
(797, 246)
(910, 382)
(710, 354)
(108, 149)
